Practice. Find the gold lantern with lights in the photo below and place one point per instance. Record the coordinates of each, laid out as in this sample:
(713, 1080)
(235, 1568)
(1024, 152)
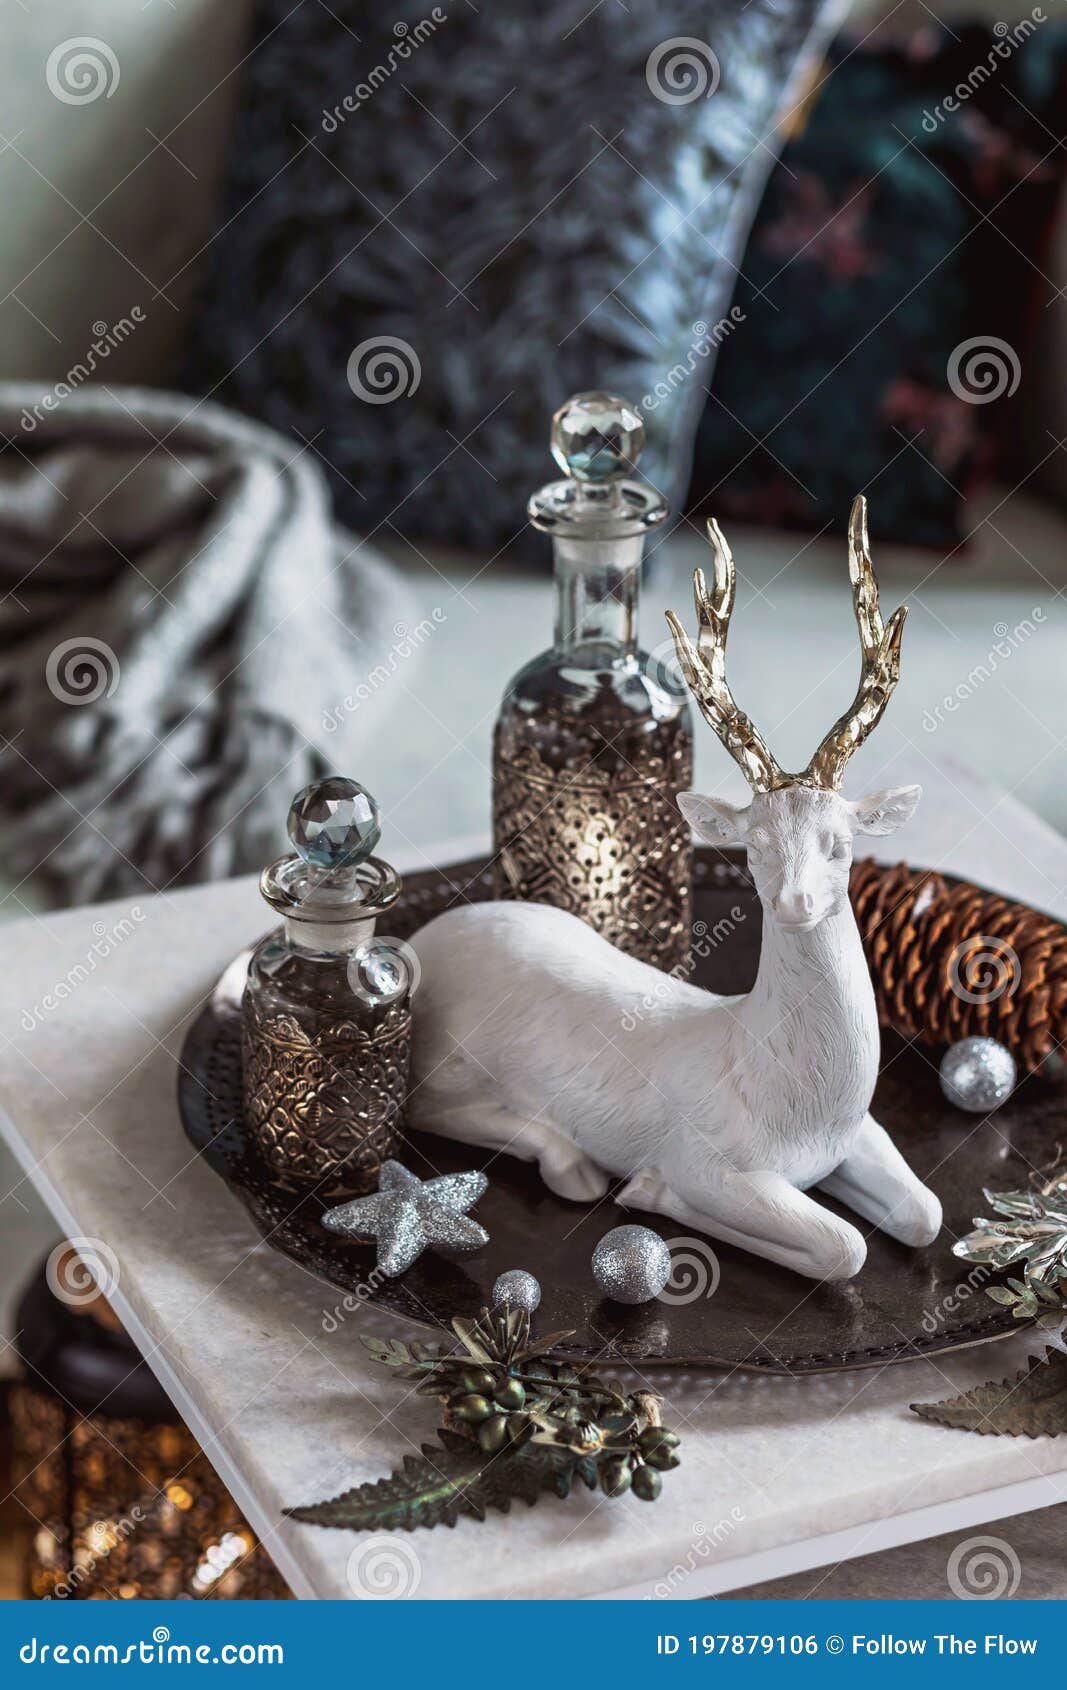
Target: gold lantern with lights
(118, 1498)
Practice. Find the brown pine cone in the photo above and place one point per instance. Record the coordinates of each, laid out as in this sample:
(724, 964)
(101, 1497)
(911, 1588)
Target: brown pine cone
(950, 961)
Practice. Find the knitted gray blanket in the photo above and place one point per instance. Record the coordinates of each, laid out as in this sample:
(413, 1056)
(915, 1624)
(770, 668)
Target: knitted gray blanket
(184, 636)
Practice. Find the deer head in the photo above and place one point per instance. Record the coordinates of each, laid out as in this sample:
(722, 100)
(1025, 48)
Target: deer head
(798, 829)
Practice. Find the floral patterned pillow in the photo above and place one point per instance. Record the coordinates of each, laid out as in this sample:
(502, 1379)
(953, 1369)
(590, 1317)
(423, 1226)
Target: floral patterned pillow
(890, 285)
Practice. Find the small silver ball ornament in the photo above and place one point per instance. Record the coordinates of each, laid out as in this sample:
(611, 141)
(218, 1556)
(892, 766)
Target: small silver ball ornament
(631, 1264)
(977, 1074)
(517, 1289)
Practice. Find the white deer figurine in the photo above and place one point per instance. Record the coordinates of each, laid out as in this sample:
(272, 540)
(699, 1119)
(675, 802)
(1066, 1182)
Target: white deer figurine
(721, 1112)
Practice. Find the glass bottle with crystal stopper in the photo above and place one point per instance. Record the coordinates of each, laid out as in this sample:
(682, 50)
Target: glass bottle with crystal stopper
(594, 740)
(326, 1016)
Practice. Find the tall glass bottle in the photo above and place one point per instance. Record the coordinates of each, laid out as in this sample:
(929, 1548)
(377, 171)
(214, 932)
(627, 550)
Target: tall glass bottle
(593, 741)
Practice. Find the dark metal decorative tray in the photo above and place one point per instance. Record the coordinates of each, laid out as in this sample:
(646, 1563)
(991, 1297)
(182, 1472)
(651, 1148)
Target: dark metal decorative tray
(904, 1304)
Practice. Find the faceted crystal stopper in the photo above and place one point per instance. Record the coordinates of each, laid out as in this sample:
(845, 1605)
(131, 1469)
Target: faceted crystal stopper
(334, 823)
(597, 437)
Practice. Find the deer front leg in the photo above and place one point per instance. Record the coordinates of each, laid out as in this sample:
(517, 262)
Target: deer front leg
(875, 1180)
(760, 1212)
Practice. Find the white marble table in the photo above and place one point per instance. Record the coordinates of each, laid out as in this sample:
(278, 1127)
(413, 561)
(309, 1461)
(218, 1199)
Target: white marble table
(779, 1476)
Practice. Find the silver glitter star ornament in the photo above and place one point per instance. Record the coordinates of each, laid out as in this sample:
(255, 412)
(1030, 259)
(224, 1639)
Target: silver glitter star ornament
(407, 1215)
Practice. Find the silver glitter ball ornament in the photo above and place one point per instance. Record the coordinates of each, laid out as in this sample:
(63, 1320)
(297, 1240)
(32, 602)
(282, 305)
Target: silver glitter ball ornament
(977, 1074)
(631, 1264)
(517, 1289)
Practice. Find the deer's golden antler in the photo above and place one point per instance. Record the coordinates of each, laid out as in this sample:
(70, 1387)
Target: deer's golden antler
(704, 667)
(880, 661)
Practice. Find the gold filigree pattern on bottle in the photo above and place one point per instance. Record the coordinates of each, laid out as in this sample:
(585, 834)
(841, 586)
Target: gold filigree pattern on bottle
(585, 819)
(324, 1107)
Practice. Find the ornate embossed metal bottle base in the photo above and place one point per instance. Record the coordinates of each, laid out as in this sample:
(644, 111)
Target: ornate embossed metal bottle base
(584, 818)
(325, 1108)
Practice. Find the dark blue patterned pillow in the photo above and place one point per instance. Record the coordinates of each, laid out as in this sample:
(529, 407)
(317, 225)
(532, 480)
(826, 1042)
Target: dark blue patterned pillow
(439, 227)
(892, 283)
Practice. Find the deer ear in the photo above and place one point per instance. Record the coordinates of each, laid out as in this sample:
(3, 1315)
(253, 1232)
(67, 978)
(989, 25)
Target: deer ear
(884, 812)
(714, 820)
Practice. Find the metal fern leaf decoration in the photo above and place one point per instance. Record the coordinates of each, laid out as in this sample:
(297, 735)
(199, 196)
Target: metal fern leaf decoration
(516, 1426)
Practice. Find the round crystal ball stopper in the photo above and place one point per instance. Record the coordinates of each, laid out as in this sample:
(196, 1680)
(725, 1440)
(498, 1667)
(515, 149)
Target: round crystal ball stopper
(334, 823)
(597, 437)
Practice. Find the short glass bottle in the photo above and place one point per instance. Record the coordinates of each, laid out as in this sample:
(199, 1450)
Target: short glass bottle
(326, 1013)
(594, 739)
